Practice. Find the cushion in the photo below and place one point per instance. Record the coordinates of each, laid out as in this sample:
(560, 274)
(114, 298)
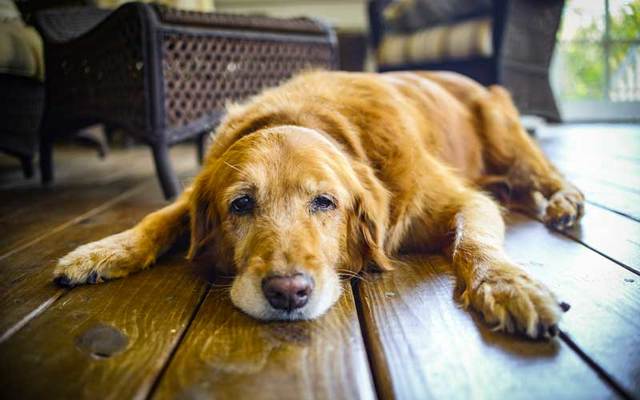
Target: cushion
(412, 15)
(463, 40)
(20, 45)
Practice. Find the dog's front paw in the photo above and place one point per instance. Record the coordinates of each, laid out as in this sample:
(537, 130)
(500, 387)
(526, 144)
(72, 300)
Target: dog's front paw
(514, 302)
(564, 209)
(112, 257)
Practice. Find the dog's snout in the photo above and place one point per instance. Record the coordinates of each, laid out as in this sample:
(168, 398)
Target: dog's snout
(288, 292)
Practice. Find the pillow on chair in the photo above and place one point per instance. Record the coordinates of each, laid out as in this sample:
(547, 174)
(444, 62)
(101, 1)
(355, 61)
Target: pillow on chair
(20, 45)
(463, 40)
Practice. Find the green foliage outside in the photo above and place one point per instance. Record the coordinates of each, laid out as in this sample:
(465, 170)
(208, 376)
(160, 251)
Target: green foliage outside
(584, 57)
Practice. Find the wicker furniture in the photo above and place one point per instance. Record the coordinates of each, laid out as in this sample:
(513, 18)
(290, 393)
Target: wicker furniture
(164, 75)
(523, 37)
(21, 87)
(21, 105)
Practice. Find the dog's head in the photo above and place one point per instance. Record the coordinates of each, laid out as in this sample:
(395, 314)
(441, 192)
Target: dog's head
(287, 212)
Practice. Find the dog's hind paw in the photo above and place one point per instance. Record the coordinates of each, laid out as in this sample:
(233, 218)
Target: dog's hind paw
(514, 302)
(564, 209)
(112, 257)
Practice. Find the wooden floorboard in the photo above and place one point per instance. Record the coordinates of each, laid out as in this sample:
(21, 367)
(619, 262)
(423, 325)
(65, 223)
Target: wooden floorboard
(32, 211)
(605, 156)
(25, 277)
(610, 234)
(90, 337)
(109, 340)
(423, 345)
(228, 355)
(604, 297)
(604, 162)
(100, 210)
(163, 333)
(620, 201)
(602, 141)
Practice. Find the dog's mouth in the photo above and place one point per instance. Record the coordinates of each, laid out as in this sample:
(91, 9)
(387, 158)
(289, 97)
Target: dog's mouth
(285, 298)
(286, 315)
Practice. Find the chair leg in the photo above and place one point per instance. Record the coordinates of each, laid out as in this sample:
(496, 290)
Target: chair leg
(46, 159)
(27, 166)
(166, 174)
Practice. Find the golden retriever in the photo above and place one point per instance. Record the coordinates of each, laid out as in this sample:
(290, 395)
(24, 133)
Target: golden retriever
(333, 172)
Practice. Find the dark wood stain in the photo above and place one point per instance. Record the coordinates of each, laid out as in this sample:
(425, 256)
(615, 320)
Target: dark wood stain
(101, 341)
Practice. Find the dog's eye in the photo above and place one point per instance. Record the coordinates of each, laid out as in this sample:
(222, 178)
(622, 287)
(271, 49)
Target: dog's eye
(242, 205)
(322, 203)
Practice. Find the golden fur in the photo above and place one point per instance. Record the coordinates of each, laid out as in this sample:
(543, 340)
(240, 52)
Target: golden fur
(404, 156)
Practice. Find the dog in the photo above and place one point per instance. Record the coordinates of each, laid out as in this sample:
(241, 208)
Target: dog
(334, 172)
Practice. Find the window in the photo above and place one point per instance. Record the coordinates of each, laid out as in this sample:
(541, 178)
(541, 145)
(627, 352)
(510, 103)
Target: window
(596, 68)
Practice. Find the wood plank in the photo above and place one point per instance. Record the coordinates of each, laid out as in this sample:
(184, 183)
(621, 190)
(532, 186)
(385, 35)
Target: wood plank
(25, 277)
(227, 354)
(610, 197)
(604, 173)
(613, 235)
(423, 345)
(29, 213)
(81, 166)
(607, 155)
(103, 341)
(602, 141)
(602, 164)
(50, 218)
(604, 297)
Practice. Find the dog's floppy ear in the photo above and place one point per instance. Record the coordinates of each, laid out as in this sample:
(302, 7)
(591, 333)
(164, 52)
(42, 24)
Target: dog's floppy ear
(369, 221)
(203, 216)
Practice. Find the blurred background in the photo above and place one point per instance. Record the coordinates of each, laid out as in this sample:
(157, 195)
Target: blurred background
(65, 64)
(596, 68)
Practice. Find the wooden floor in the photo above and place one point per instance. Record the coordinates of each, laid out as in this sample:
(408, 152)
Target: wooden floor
(170, 333)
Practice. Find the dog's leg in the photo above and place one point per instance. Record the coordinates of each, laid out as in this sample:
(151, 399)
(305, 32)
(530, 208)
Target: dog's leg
(119, 255)
(488, 281)
(510, 152)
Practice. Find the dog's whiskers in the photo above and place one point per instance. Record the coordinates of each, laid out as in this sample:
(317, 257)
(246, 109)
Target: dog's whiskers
(351, 275)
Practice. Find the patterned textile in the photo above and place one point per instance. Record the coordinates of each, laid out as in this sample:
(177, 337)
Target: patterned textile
(412, 15)
(20, 45)
(463, 40)
(193, 5)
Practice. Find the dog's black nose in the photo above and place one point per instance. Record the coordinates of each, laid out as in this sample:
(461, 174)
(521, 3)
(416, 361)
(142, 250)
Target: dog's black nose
(287, 292)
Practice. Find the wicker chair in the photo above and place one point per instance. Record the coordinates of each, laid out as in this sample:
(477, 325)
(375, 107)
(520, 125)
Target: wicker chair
(164, 75)
(523, 36)
(21, 105)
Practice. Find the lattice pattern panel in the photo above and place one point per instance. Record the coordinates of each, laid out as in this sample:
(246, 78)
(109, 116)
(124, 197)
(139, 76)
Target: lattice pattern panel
(202, 73)
(100, 76)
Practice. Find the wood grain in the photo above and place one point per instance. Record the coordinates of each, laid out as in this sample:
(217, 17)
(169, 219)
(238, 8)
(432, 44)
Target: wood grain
(613, 235)
(103, 341)
(25, 277)
(601, 141)
(610, 197)
(604, 297)
(33, 211)
(423, 345)
(228, 355)
(625, 179)
(607, 155)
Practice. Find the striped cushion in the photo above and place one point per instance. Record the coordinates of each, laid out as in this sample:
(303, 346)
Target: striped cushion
(467, 39)
(20, 45)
